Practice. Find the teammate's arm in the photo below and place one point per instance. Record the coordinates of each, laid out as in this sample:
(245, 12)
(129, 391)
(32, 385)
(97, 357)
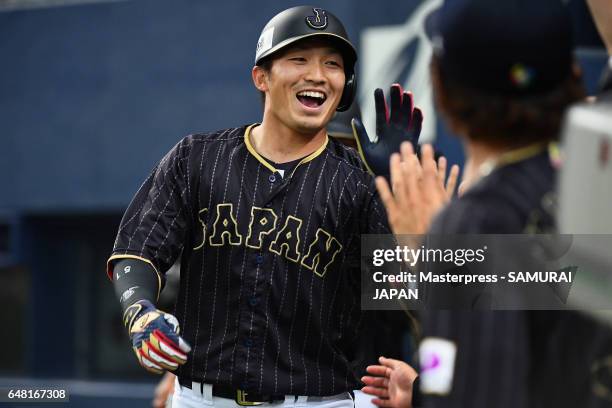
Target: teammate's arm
(419, 191)
(154, 334)
(602, 15)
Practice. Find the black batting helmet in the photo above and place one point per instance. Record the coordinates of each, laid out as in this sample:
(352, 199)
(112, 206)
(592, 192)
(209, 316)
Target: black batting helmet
(297, 23)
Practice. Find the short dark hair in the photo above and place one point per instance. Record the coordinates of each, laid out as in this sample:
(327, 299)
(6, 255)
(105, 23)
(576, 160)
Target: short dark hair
(503, 120)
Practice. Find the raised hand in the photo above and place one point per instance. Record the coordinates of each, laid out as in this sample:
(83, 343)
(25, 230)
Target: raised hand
(418, 191)
(403, 123)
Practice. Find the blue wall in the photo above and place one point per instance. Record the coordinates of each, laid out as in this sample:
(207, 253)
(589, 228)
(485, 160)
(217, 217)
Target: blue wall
(92, 96)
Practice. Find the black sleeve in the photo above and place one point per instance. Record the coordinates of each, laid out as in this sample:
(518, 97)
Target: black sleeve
(477, 215)
(491, 365)
(135, 280)
(154, 226)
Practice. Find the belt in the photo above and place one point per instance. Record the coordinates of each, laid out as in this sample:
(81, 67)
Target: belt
(245, 398)
(241, 397)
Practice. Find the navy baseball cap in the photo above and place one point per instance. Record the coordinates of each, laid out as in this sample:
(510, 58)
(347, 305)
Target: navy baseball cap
(512, 47)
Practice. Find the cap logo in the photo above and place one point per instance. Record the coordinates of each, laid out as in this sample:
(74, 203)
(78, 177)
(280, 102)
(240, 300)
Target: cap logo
(265, 41)
(319, 20)
(522, 76)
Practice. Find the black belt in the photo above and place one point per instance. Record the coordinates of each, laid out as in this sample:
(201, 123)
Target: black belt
(241, 397)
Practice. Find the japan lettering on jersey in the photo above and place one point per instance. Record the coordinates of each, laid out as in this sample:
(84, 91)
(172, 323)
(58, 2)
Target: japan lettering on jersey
(269, 293)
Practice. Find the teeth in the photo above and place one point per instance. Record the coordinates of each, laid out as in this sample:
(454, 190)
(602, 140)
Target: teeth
(312, 94)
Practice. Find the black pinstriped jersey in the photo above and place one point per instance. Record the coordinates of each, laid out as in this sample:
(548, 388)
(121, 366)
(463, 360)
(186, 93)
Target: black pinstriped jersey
(531, 358)
(493, 353)
(269, 294)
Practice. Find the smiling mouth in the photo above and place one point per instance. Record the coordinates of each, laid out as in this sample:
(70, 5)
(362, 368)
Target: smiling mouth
(311, 99)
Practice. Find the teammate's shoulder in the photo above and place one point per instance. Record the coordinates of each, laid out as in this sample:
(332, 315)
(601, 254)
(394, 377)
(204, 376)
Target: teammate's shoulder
(346, 155)
(474, 214)
(521, 185)
(505, 201)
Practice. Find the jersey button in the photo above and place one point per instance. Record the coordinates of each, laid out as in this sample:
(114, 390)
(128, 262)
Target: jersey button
(248, 343)
(253, 301)
(259, 259)
(272, 178)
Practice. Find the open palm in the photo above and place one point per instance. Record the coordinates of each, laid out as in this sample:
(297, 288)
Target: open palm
(390, 382)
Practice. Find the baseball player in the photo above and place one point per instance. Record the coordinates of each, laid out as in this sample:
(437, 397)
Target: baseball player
(266, 220)
(383, 332)
(507, 107)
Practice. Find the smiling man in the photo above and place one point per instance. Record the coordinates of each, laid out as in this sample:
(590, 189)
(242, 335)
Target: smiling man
(266, 220)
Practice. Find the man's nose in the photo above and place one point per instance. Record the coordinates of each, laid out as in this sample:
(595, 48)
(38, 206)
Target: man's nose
(315, 72)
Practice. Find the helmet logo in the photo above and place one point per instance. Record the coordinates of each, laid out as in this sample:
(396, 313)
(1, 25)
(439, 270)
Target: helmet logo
(265, 41)
(319, 20)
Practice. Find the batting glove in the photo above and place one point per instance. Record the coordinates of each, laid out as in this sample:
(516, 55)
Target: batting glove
(155, 337)
(403, 124)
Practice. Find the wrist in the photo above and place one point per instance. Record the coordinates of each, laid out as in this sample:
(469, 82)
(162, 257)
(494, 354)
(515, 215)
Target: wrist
(134, 281)
(135, 311)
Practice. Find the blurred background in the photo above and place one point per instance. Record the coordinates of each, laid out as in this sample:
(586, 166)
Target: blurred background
(92, 95)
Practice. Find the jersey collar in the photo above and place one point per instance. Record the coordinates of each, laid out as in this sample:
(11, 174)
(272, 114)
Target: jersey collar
(251, 149)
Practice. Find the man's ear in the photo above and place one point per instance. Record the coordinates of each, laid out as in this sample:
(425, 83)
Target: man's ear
(260, 78)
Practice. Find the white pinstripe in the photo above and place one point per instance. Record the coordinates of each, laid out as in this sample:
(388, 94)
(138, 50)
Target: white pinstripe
(282, 301)
(212, 177)
(163, 242)
(353, 301)
(284, 291)
(344, 255)
(144, 244)
(312, 277)
(188, 274)
(151, 176)
(341, 263)
(227, 176)
(295, 302)
(229, 265)
(333, 300)
(244, 258)
(252, 312)
(152, 204)
(341, 321)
